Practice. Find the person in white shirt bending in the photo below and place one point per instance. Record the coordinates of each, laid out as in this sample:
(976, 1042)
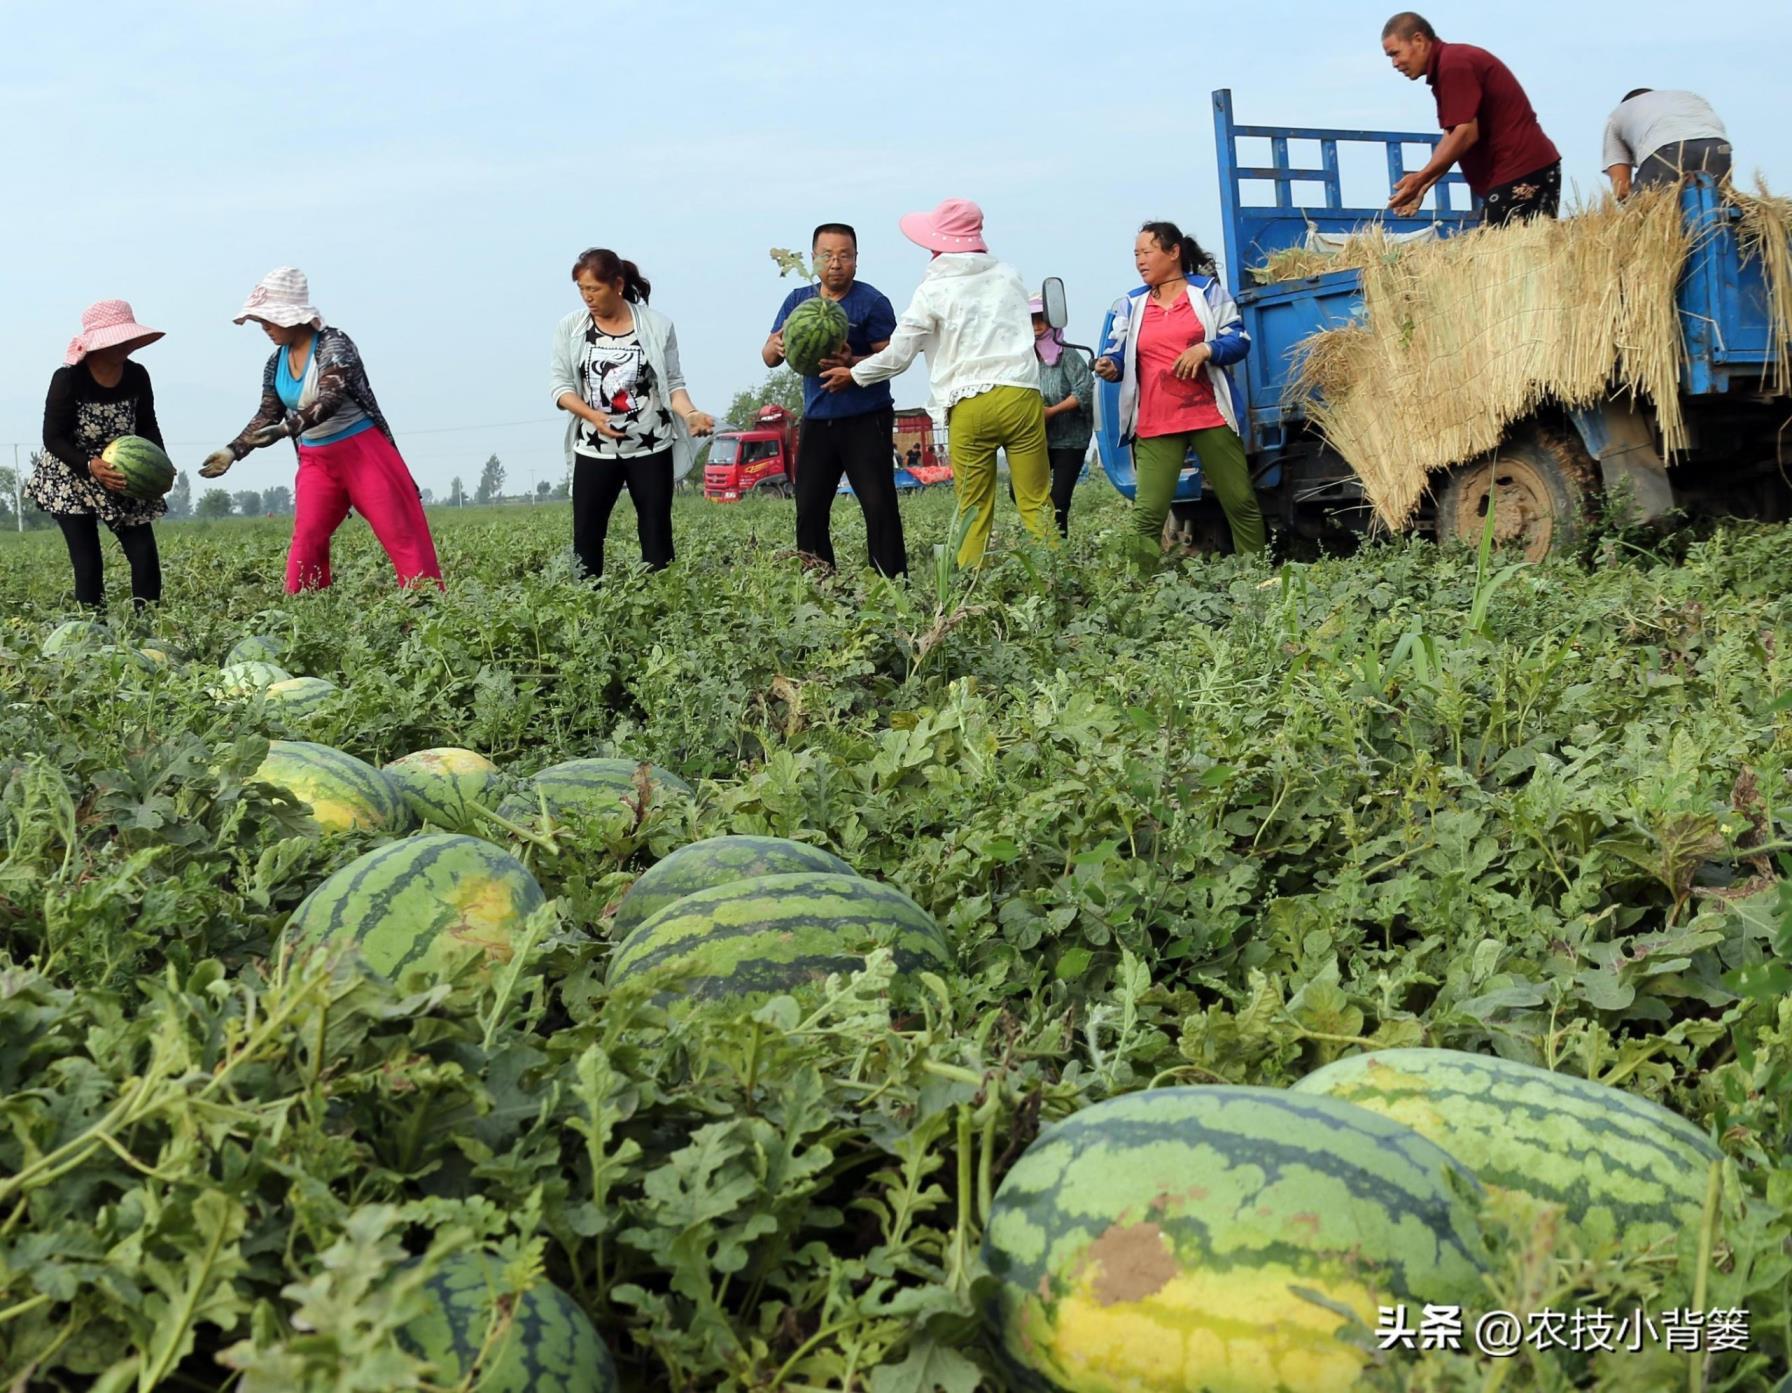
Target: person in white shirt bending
(1663, 137)
(970, 316)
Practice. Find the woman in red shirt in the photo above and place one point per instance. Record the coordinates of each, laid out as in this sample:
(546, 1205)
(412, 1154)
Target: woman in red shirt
(1169, 345)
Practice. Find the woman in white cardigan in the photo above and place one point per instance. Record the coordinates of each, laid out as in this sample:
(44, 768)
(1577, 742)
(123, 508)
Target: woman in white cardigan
(616, 370)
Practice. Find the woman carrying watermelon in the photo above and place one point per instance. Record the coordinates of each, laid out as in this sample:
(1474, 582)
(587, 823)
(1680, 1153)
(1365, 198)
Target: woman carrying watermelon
(970, 317)
(616, 372)
(97, 396)
(314, 391)
(1170, 345)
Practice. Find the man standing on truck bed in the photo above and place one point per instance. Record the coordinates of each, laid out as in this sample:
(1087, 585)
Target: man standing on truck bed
(1663, 136)
(1490, 129)
(847, 431)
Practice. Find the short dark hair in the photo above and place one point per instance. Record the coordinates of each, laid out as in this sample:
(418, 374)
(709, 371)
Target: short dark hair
(1636, 92)
(839, 229)
(1405, 24)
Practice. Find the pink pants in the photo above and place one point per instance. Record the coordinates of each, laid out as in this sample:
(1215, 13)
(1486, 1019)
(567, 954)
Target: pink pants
(364, 472)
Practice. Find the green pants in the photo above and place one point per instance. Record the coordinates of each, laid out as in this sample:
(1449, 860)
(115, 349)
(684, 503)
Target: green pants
(1157, 463)
(1010, 419)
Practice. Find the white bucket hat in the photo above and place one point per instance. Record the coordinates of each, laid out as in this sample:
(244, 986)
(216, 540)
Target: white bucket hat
(283, 297)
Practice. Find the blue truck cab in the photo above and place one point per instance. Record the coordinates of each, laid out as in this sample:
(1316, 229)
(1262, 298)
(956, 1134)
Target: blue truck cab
(1551, 470)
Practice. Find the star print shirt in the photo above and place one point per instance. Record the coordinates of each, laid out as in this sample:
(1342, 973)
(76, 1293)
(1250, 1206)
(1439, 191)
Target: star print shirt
(616, 378)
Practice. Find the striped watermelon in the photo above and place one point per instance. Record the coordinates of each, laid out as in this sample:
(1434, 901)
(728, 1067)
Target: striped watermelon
(812, 331)
(157, 655)
(1208, 1240)
(442, 786)
(148, 472)
(424, 901)
(540, 1341)
(300, 696)
(247, 679)
(777, 932)
(589, 787)
(77, 635)
(717, 861)
(1616, 1163)
(257, 648)
(340, 790)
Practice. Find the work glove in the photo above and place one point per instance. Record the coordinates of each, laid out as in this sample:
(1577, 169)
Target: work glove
(216, 463)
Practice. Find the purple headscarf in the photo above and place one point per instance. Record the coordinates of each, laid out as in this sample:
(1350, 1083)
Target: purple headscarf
(1049, 345)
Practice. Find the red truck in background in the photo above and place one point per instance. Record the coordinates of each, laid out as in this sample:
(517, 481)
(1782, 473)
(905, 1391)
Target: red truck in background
(759, 461)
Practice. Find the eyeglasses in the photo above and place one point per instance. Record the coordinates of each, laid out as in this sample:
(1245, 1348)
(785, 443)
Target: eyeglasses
(831, 258)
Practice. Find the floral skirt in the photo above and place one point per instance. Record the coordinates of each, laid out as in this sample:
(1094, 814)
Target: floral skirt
(58, 489)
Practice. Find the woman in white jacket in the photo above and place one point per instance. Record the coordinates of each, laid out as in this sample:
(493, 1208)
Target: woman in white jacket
(616, 370)
(970, 316)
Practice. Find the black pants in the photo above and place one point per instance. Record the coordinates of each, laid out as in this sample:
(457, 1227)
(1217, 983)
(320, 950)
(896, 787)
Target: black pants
(859, 447)
(82, 533)
(1067, 463)
(1536, 195)
(596, 485)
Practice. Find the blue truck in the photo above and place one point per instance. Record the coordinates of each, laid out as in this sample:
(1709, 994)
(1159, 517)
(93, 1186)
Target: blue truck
(1551, 470)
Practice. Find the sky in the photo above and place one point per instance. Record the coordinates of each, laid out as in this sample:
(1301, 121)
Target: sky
(436, 169)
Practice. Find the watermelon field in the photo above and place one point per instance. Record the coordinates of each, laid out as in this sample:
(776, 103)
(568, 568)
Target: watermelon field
(1042, 1059)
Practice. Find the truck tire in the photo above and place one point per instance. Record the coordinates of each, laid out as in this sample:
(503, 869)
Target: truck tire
(1542, 488)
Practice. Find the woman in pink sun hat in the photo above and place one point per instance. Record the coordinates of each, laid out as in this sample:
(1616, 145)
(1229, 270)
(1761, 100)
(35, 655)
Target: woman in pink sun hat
(970, 317)
(96, 396)
(314, 391)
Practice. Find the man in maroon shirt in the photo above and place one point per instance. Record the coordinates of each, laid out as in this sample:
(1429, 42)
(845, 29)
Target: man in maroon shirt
(1489, 127)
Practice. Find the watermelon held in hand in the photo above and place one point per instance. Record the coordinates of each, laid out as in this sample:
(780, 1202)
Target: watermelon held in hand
(716, 861)
(536, 1341)
(1222, 1240)
(444, 786)
(813, 331)
(148, 472)
(340, 790)
(1619, 1166)
(777, 933)
(427, 902)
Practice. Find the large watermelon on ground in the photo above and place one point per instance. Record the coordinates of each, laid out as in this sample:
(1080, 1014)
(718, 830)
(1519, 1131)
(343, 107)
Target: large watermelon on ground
(300, 696)
(1210, 1240)
(812, 331)
(148, 472)
(776, 933)
(257, 648)
(426, 901)
(75, 636)
(544, 1343)
(341, 791)
(1616, 1163)
(248, 679)
(588, 787)
(717, 861)
(442, 786)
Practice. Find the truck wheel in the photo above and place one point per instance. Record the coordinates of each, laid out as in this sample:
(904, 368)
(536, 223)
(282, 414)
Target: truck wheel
(1540, 487)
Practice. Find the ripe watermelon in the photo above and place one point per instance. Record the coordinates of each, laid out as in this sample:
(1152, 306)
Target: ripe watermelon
(77, 635)
(547, 1345)
(777, 932)
(587, 787)
(1616, 1163)
(717, 861)
(425, 901)
(257, 648)
(441, 786)
(341, 791)
(300, 696)
(812, 331)
(247, 679)
(1207, 1240)
(148, 472)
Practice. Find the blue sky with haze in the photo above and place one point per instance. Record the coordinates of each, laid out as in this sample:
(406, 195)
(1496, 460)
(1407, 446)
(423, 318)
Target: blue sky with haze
(436, 168)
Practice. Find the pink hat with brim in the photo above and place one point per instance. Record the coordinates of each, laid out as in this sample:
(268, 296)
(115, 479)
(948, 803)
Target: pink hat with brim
(283, 297)
(956, 225)
(107, 324)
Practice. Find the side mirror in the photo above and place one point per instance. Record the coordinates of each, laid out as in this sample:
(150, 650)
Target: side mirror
(1057, 312)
